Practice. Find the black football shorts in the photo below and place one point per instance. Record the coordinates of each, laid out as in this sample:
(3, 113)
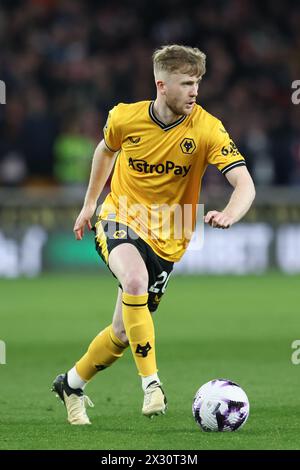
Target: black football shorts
(110, 234)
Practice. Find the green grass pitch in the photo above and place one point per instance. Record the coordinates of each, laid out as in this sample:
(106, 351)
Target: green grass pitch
(239, 328)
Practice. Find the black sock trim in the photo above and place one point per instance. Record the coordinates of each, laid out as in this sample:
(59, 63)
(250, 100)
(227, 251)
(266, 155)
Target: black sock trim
(134, 305)
(121, 347)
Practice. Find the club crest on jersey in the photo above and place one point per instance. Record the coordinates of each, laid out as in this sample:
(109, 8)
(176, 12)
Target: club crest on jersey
(134, 139)
(187, 146)
(160, 168)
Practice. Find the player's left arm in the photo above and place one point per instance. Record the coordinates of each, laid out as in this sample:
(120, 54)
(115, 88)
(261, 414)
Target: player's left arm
(240, 200)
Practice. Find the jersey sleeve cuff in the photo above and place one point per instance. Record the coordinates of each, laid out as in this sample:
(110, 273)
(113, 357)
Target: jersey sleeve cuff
(109, 148)
(233, 165)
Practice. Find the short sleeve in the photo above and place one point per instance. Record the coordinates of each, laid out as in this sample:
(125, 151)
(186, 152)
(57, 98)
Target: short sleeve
(112, 131)
(222, 151)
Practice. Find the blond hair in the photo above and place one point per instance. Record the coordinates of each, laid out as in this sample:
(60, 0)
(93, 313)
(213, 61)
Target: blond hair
(183, 59)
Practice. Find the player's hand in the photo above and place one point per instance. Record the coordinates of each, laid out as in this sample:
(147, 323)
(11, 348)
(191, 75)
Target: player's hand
(218, 219)
(84, 219)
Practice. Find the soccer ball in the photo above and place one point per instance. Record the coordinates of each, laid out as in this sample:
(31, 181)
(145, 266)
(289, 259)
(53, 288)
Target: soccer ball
(220, 405)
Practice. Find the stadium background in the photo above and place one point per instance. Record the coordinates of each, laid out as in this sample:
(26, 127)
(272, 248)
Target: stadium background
(65, 64)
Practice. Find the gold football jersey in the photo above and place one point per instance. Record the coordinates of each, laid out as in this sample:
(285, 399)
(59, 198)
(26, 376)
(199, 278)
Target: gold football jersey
(158, 171)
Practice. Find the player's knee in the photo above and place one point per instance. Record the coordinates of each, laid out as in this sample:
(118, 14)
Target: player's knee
(120, 333)
(135, 283)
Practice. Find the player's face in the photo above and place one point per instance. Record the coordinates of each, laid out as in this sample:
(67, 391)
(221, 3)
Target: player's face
(181, 91)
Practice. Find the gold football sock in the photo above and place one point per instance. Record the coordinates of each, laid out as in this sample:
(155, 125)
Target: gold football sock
(140, 332)
(105, 349)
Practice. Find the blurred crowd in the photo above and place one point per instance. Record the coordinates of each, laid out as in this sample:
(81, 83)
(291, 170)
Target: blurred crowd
(65, 63)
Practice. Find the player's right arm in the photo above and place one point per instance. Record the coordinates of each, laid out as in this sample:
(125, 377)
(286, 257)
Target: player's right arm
(102, 165)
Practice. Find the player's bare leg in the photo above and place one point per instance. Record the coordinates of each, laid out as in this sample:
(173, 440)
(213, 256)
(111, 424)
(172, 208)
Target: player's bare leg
(117, 322)
(134, 322)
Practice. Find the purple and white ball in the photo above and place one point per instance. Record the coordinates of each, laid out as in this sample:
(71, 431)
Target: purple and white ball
(220, 405)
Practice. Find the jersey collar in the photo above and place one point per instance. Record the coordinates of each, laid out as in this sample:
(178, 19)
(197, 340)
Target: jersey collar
(165, 127)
